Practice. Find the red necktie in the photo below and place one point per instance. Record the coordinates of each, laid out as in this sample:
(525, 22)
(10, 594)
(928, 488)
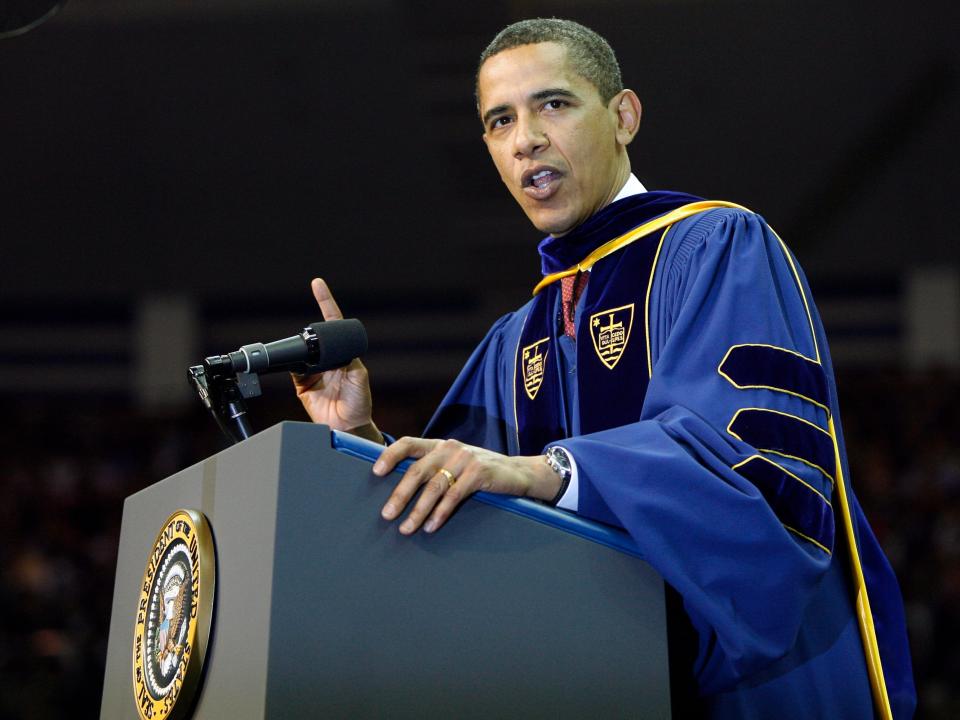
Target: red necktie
(571, 288)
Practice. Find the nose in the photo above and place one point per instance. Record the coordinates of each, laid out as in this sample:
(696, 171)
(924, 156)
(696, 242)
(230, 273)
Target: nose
(529, 138)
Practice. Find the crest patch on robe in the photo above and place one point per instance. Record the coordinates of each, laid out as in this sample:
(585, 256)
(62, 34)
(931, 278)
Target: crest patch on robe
(610, 332)
(533, 359)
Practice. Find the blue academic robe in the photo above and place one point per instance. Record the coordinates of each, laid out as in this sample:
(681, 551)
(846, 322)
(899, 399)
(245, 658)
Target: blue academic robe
(724, 474)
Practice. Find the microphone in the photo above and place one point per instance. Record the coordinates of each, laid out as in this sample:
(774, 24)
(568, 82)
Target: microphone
(321, 346)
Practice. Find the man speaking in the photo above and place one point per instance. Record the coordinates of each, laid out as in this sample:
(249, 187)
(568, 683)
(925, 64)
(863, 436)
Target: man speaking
(669, 376)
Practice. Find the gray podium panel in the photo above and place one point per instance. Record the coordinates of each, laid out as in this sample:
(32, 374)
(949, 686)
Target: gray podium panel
(325, 610)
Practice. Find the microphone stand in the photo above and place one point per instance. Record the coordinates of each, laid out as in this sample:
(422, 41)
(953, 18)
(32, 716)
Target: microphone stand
(223, 392)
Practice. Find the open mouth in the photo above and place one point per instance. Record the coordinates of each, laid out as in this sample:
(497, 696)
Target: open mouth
(542, 183)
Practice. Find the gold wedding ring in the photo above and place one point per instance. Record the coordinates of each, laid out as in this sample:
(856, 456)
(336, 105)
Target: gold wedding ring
(451, 478)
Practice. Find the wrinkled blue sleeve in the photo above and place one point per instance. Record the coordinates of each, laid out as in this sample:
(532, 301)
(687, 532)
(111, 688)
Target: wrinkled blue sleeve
(723, 279)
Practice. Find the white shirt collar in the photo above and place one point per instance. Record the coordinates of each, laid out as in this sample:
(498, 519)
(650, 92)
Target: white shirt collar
(631, 187)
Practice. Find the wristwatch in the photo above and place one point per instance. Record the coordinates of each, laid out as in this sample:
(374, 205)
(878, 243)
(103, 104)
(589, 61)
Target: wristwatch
(560, 462)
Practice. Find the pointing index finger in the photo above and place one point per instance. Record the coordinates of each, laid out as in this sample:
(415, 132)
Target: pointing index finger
(328, 306)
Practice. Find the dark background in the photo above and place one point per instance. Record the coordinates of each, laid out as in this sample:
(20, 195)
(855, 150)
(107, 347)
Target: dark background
(171, 177)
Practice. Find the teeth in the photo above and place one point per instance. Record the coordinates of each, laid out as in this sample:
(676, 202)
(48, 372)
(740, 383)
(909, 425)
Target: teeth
(542, 178)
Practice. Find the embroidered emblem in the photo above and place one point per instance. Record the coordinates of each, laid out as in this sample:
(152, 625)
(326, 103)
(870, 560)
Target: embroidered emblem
(533, 358)
(610, 332)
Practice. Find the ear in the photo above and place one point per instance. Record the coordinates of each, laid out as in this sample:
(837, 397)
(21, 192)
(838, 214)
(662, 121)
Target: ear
(627, 107)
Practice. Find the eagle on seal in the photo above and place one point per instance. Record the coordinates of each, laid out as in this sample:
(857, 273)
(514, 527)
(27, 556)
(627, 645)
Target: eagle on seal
(170, 626)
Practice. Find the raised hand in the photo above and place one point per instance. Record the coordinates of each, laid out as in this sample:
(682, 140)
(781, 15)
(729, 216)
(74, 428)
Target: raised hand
(339, 398)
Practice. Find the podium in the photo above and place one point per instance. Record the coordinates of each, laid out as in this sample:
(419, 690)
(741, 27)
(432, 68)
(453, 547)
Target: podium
(322, 609)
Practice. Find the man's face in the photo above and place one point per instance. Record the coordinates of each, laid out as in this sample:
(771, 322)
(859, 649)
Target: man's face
(552, 138)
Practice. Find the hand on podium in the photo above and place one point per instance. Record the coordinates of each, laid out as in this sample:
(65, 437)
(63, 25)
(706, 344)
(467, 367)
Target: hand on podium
(339, 398)
(451, 471)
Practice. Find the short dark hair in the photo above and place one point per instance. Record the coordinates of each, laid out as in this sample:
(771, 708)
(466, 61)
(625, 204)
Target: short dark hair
(590, 55)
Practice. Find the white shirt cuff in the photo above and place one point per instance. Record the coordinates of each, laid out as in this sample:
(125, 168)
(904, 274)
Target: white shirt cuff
(570, 500)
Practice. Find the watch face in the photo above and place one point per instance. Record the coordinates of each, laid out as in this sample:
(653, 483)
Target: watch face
(559, 460)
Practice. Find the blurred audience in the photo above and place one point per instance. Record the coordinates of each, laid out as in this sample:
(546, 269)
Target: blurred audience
(65, 475)
(901, 435)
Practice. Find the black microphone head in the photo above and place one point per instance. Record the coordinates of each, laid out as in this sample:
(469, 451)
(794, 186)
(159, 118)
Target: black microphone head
(340, 342)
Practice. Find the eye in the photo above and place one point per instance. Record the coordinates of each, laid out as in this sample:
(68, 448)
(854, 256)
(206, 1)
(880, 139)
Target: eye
(555, 104)
(499, 122)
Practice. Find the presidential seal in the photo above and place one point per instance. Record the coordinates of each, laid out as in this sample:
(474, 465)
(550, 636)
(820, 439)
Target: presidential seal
(173, 617)
(610, 331)
(533, 358)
